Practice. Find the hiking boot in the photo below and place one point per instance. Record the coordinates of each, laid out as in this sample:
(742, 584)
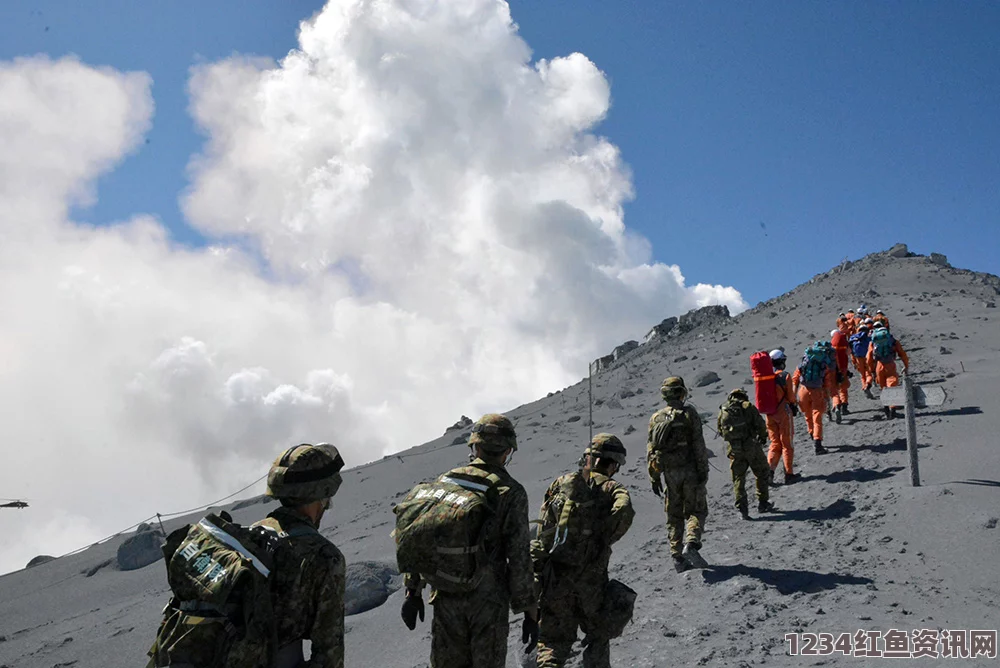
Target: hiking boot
(820, 450)
(770, 478)
(680, 564)
(694, 557)
(744, 511)
(765, 507)
(896, 413)
(868, 393)
(888, 412)
(792, 478)
(844, 409)
(829, 416)
(838, 412)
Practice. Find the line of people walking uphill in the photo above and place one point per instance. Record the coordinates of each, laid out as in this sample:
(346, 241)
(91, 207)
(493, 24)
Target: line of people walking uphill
(250, 596)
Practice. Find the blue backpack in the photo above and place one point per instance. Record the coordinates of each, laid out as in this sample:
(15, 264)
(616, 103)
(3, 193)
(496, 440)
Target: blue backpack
(859, 344)
(884, 345)
(814, 366)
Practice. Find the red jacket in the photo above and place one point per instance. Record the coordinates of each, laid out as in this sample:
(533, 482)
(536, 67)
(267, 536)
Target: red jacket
(840, 346)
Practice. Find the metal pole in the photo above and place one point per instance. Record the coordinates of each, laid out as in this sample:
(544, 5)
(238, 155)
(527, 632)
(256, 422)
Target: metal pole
(590, 397)
(911, 431)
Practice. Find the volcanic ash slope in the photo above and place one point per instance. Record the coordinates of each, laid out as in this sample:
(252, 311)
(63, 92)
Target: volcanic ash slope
(854, 545)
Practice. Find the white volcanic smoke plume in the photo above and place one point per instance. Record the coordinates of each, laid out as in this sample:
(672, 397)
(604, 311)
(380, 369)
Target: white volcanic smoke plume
(411, 220)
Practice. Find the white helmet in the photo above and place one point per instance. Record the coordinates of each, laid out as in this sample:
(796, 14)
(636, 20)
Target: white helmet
(834, 332)
(777, 354)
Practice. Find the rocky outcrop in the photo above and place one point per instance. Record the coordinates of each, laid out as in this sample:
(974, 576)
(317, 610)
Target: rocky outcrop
(624, 349)
(140, 550)
(369, 584)
(40, 559)
(603, 363)
(463, 423)
(942, 260)
(898, 251)
(706, 378)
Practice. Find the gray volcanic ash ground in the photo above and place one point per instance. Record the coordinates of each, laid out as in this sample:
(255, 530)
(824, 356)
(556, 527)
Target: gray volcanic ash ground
(854, 546)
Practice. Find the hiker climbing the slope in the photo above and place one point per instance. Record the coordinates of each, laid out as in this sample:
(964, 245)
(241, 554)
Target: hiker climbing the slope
(290, 588)
(852, 323)
(859, 343)
(831, 387)
(880, 319)
(842, 322)
(882, 354)
(745, 432)
(466, 534)
(677, 461)
(779, 423)
(812, 382)
(584, 513)
(842, 375)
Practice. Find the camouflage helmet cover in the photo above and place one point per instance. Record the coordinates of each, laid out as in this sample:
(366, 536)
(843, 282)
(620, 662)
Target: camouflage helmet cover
(607, 446)
(494, 433)
(739, 393)
(306, 472)
(673, 388)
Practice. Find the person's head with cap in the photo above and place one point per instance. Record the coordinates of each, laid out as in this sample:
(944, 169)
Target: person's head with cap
(738, 395)
(493, 438)
(605, 455)
(305, 478)
(778, 358)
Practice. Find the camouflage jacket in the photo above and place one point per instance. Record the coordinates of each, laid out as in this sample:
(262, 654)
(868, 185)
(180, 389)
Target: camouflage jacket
(687, 447)
(619, 512)
(508, 545)
(308, 591)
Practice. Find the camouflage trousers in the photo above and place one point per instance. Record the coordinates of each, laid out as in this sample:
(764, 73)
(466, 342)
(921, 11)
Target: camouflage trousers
(743, 456)
(572, 599)
(686, 503)
(468, 631)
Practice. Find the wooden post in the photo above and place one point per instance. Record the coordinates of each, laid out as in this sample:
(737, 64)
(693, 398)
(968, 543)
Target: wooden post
(911, 431)
(590, 397)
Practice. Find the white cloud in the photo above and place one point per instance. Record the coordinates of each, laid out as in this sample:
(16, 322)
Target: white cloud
(412, 221)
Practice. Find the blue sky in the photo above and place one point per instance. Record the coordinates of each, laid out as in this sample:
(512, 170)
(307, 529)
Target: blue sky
(840, 127)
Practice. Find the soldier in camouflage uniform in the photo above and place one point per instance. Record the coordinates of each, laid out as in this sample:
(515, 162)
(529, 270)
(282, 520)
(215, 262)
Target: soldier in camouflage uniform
(307, 590)
(745, 433)
(676, 455)
(469, 630)
(572, 592)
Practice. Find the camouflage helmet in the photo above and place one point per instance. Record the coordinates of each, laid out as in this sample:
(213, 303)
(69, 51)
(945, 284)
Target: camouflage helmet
(306, 473)
(673, 388)
(607, 446)
(739, 394)
(494, 433)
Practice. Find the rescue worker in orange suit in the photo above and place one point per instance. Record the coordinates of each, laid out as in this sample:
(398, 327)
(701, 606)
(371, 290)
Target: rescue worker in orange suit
(859, 343)
(884, 363)
(838, 339)
(880, 319)
(779, 425)
(852, 323)
(812, 382)
(842, 322)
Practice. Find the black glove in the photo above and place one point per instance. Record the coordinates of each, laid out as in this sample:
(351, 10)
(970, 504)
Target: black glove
(850, 374)
(413, 606)
(657, 486)
(794, 408)
(529, 633)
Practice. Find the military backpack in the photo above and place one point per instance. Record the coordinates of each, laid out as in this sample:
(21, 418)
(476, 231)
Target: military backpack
(736, 422)
(669, 437)
(442, 528)
(571, 522)
(220, 613)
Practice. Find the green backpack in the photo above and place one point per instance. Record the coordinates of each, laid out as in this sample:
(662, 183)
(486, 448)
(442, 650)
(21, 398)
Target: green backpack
(570, 523)
(884, 346)
(441, 528)
(669, 429)
(220, 614)
(736, 423)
